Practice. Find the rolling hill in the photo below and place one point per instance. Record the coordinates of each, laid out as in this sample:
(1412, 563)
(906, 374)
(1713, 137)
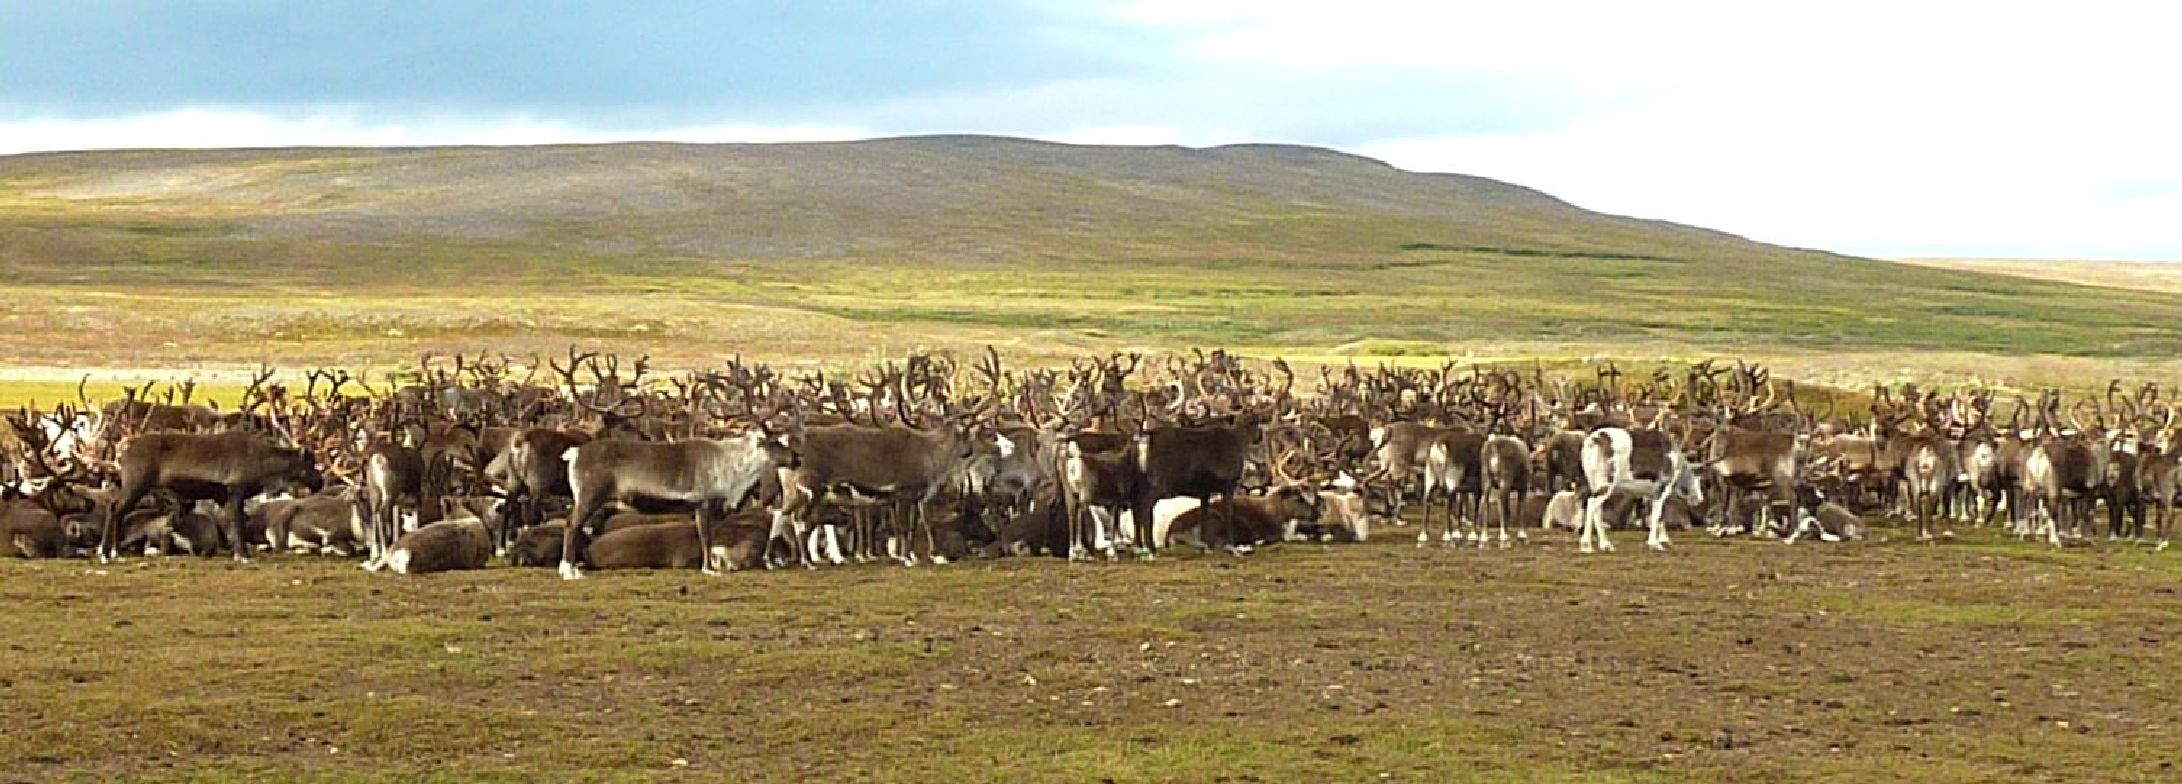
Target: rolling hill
(844, 249)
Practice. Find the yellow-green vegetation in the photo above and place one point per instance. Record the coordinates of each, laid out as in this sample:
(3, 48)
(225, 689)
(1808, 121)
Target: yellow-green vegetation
(1721, 661)
(838, 251)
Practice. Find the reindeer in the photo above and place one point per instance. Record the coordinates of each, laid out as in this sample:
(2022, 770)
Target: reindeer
(1616, 460)
(735, 543)
(1451, 466)
(1752, 451)
(711, 473)
(325, 523)
(223, 467)
(444, 546)
(1504, 479)
(1404, 451)
(1238, 524)
(1090, 480)
(909, 466)
(907, 463)
(1200, 462)
(393, 476)
(2158, 477)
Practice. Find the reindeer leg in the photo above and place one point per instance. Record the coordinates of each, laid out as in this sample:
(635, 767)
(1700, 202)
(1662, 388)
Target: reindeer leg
(1424, 527)
(109, 545)
(707, 561)
(931, 546)
(1592, 512)
(1656, 538)
(374, 547)
(2164, 510)
(234, 529)
(573, 537)
(1147, 530)
(833, 544)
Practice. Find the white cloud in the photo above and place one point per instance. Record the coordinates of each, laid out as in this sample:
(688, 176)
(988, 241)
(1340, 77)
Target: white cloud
(1878, 128)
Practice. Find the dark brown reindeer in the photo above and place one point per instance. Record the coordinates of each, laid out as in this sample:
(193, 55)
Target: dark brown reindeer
(1199, 462)
(1452, 469)
(2159, 477)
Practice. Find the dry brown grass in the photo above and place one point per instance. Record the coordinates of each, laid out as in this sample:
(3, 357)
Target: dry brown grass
(2162, 277)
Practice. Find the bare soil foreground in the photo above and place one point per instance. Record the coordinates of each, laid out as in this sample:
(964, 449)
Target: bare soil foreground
(1974, 661)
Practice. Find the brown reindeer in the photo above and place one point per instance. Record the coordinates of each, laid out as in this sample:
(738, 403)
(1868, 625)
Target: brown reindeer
(713, 474)
(1504, 479)
(223, 467)
(736, 542)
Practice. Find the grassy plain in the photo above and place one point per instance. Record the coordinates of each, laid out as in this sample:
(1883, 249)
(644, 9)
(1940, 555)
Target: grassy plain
(1976, 661)
(167, 262)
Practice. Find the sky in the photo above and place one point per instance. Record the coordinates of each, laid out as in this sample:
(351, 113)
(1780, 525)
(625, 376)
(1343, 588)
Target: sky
(1903, 128)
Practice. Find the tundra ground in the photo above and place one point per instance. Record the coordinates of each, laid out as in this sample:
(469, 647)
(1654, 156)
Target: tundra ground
(1973, 661)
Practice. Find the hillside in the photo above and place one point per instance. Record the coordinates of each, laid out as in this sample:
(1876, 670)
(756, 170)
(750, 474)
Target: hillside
(840, 249)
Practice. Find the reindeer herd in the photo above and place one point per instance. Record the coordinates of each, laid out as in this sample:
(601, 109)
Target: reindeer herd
(578, 463)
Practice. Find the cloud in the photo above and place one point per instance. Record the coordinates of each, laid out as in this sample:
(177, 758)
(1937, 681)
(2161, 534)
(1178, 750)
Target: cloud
(1876, 128)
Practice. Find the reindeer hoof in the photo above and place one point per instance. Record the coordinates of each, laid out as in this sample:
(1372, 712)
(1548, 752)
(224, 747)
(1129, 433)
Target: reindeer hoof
(1657, 547)
(570, 572)
(940, 560)
(1585, 549)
